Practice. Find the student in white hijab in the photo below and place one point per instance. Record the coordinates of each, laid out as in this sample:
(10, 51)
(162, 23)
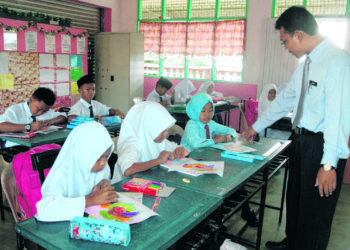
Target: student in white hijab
(142, 144)
(183, 90)
(208, 88)
(78, 176)
(268, 94)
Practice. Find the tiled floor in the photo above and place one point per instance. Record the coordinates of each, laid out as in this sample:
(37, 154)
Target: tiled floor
(340, 238)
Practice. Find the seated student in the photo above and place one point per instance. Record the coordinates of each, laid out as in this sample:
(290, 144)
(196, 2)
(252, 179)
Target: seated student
(208, 88)
(158, 94)
(86, 106)
(142, 144)
(183, 90)
(32, 115)
(268, 94)
(201, 130)
(78, 178)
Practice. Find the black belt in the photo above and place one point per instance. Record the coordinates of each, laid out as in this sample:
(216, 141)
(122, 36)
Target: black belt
(304, 131)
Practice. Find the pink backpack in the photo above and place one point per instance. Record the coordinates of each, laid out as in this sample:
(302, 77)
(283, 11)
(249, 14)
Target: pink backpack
(28, 181)
(251, 111)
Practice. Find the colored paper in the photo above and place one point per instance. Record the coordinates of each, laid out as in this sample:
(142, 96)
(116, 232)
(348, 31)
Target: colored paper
(195, 168)
(76, 61)
(126, 210)
(4, 63)
(62, 61)
(45, 60)
(6, 81)
(233, 147)
(75, 74)
(74, 88)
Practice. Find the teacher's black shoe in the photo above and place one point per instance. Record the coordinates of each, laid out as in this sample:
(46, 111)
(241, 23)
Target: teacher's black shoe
(249, 215)
(277, 245)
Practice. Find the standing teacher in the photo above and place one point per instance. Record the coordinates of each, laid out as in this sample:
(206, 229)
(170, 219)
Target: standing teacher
(319, 95)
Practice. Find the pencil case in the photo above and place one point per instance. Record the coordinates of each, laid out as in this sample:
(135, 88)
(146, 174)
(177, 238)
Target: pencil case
(111, 120)
(104, 231)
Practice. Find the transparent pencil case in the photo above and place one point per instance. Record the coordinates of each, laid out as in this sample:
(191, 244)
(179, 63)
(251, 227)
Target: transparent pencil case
(111, 120)
(111, 232)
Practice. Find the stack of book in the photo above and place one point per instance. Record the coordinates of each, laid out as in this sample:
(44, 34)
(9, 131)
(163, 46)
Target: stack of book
(79, 120)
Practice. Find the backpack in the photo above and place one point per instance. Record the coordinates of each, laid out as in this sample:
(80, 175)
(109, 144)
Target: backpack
(251, 111)
(28, 180)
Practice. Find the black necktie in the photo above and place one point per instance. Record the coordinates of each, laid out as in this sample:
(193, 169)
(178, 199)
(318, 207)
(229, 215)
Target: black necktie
(34, 118)
(161, 98)
(91, 112)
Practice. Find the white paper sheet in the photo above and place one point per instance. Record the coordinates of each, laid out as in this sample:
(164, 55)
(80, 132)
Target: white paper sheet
(45, 60)
(4, 65)
(62, 75)
(62, 61)
(47, 75)
(62, 89)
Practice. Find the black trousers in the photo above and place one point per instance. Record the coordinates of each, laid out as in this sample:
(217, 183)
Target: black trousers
(309, 216)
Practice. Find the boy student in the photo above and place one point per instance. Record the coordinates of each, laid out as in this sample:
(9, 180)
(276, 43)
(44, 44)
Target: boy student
(86, 106)
(159, 93)
(32, 115)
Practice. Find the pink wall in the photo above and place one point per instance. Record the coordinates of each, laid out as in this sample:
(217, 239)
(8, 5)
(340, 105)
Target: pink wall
(228, 89)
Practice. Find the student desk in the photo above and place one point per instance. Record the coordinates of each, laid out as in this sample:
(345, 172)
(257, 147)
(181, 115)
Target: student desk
(236, 174)
(53, 137)
(178, 214)
(179, 111)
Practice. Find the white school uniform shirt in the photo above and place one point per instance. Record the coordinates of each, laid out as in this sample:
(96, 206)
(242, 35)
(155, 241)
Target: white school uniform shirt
(20, 114)
(143, 123)
(81, 108)
(155, 97)
(71, 179)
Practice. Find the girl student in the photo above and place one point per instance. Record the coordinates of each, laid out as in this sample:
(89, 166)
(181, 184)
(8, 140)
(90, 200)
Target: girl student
(208, 88)
(201, 130)
(142, 140)
(78, 178)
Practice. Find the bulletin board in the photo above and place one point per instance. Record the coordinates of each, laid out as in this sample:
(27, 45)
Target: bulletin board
(33, 55)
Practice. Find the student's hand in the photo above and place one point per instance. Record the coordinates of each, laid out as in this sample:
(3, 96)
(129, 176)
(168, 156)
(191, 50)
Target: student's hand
(101, 196)
(117, 112)
(103, 183)
(35, 126)
(219, 138)
(248, 134)
(98, 117)
(228, 138)
(164, 156)
(326, 181)
(181, 152)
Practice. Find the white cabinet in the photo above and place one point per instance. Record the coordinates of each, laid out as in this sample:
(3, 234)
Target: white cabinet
(119, 68)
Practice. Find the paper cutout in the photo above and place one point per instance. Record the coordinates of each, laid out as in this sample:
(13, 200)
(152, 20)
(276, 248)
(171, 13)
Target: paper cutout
(6, 81)
(76, 61)
(74, 88)
(75, 74)
(233, 147)
(126, 210)
(195, 168)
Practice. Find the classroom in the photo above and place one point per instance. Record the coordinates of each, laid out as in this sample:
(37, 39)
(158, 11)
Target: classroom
(260, 75)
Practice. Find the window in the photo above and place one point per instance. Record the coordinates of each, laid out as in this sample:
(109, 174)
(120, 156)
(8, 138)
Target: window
(197, 39)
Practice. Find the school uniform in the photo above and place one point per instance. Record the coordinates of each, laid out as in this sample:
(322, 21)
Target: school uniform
(82, 108)
(20, 114)
(183, 90)
(195, 135)
(71, 179)
(143, 123)
(155, 97)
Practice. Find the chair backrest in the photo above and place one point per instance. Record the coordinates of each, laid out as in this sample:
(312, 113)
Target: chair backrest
(9, 187)
(44, 160)
(28, 181)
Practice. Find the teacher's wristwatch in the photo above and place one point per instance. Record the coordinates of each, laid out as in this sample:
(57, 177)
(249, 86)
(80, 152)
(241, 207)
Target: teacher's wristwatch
(327, 166)
(28, 127)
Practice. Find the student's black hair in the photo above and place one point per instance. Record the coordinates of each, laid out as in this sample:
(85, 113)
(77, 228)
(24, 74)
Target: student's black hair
(85, 79)
(297, 18)
(164, 82)
(44, 94)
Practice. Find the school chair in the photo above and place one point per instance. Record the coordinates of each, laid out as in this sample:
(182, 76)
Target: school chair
(44, 160)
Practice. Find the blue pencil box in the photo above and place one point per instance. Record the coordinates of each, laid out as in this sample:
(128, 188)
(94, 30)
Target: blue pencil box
(111, 120)
(104, 231)
(241, 156)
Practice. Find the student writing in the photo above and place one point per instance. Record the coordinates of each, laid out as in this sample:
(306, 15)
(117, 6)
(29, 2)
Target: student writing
(158, 94)
(86, 106)
(78, 176)
(142, 144)
(201, 130)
